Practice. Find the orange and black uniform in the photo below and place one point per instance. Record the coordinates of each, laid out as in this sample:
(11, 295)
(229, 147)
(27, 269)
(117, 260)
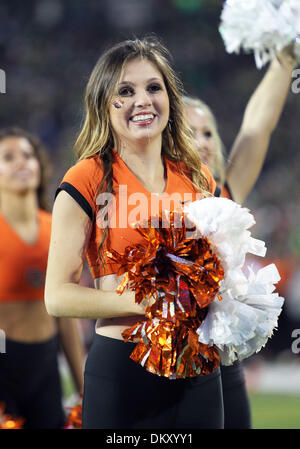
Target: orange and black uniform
(237, 413)
(131, 202)
(23, 265)
(29, 376)
(118, 393)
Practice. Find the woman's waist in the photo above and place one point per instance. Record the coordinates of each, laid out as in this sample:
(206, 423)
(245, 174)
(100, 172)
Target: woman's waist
(110, 357)
(26, 321)
(113, 327)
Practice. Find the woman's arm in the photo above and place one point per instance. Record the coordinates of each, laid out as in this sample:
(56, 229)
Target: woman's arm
(73, 348)
(64, 297)
(260, 119)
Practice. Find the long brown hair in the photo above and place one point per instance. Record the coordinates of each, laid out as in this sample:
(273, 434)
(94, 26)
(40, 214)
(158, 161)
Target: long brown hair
(96, 135)
(42, 157)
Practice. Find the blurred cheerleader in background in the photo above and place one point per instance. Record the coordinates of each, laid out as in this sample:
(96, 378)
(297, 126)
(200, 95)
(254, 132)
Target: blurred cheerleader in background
(30, 384)
(237, 177)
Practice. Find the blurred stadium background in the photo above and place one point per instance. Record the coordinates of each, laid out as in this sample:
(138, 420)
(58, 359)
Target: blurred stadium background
(48, 49)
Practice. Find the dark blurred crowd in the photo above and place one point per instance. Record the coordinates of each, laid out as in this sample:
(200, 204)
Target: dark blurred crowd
(49, 47)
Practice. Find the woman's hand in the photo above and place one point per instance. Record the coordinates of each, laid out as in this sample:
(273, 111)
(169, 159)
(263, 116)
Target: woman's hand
(287, 57)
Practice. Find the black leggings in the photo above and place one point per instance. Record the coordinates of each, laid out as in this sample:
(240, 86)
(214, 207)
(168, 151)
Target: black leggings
(237, 413)
(30, 383)
(119, 393)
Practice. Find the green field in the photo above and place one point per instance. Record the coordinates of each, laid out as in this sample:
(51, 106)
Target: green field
(275, 411)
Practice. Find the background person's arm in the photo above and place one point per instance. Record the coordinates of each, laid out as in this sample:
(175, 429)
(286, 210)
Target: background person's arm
(260, 120)
(73, 348)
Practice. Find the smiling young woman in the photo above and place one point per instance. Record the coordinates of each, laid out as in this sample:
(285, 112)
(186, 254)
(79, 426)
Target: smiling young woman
(134, 135)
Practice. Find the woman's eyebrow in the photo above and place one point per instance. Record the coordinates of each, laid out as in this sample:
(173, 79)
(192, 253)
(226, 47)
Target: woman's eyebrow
(147, 81)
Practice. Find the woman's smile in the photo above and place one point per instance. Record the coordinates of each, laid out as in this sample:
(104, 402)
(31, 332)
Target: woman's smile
(143, 118)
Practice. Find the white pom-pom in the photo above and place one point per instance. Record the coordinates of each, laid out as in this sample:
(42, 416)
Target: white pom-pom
(240, 323)
(263, 27)
(225, 224)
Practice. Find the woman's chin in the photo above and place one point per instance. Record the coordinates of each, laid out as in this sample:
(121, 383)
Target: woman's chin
(23, 188)
(144, 137)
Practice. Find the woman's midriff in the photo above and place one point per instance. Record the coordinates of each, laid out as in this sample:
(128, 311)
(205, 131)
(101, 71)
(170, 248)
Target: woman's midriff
(27, 321)
(113, 327)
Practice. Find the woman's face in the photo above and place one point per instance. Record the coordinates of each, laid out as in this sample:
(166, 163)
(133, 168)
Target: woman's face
(19, 167)
(203, 133)
(144, 112)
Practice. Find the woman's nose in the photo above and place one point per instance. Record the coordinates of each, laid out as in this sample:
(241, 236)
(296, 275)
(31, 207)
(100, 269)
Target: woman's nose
(201, 141)
(142, 99)
(20, 161)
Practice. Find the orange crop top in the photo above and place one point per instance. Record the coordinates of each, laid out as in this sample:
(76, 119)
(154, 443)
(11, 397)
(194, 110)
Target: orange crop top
(23, 266)
(130, 203)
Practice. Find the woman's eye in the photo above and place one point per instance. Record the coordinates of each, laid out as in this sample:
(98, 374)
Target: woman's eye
(125, 91)
(154, 88)
(8, 157)
(28, 155)
(207, 134)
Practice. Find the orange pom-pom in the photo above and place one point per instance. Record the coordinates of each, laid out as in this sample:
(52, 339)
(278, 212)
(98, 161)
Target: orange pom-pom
(9, 421)
(74, 419)
(183, 275)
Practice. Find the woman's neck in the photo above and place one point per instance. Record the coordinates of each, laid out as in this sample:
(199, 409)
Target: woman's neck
(19, 207)
(144, 159)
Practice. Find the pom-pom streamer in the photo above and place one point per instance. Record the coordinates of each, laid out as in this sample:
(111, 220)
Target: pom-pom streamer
(10, 421)
(74, 419)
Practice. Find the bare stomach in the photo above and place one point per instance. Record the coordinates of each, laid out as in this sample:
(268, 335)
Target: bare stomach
(27, 321)
(113, 327)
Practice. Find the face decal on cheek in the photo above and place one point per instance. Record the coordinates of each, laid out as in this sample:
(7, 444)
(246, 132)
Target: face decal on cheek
(118, 103)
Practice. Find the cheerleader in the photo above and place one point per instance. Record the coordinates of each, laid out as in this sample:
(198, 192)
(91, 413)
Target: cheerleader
(30, 385)
(237, 178)
(134, 140)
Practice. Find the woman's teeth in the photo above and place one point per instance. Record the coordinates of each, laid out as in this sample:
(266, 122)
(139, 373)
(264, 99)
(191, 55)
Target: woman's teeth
(142, 118)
